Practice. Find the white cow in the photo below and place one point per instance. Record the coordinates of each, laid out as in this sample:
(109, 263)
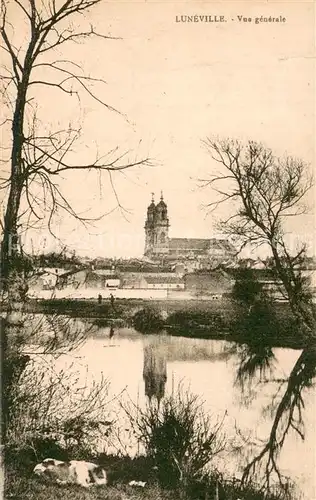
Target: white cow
(79, 472)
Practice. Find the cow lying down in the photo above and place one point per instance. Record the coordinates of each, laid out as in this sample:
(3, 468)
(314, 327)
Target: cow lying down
(79, 472)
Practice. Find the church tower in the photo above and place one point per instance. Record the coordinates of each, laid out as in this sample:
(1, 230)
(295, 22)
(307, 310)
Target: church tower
(157, 229)
(150, 228)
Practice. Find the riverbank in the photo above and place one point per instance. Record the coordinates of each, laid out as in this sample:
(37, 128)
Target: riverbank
(194, 319)
(126, 307)
(21, 484)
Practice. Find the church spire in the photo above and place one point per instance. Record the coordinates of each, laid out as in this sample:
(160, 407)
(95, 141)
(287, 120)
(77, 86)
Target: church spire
(156, 229)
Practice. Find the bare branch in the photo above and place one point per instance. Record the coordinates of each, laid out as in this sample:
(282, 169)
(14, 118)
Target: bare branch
(38, 158)
(266, 189)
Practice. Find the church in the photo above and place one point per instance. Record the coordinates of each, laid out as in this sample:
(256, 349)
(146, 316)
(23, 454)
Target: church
(158, 245)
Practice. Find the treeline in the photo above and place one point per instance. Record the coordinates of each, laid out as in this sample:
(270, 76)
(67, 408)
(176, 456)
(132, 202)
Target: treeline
(250, 314)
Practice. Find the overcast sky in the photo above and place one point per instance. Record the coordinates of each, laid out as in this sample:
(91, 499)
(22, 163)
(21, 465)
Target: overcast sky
(176, 84)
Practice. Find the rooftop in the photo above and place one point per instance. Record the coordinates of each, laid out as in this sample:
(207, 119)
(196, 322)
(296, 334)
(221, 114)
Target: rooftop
(200, 244)
(163, 279)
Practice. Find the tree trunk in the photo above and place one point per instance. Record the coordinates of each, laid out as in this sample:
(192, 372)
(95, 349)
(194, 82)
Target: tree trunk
(298, 308)
(13, 284)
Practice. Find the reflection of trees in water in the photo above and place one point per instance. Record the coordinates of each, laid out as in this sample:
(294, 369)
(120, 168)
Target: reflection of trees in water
(256, 361)
(155, 370)
(257, 365)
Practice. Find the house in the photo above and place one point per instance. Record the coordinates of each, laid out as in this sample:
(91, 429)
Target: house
(248, 263)
(112, 282)
(216, 283)
(46, 278)
(163, 283)
(85, 278)
(158, 281)
(135, 280)
(73, 279)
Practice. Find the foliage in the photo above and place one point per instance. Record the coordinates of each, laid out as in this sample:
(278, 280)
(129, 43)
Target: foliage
(257, 320)
(24, 456)
(189, 321)
(55, 259)
(247, 289)
(147, 320)
(179, 438)
(47, 403)
(260, 323)
(77, 308)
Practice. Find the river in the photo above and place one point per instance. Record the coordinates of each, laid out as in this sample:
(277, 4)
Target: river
(140, 367)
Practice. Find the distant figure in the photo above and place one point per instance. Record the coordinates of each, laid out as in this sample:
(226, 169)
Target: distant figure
(111, 334)
(99, 298)
(112, 299)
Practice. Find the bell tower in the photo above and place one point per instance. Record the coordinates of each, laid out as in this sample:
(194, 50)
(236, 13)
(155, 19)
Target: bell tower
(157, 229)
(150, 228)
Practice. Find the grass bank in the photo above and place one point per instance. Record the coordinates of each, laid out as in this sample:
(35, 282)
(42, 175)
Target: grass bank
(278, 329)
(195, 319)
(181, 442)
(124, 307)
(20, 484)
(270, 325)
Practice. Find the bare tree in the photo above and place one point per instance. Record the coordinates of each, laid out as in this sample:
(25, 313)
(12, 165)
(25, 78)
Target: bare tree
(39, 157)
(264, 190)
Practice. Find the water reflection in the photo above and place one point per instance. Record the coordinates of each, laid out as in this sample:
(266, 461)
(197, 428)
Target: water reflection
(281, 394)
(111, 334)
(255, 364)
(277, 382)
(155, 370)
(287, 397)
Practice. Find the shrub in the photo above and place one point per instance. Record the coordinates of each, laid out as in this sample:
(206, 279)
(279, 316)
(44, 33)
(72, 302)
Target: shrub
(25, 455)
(148, 320)
(178, 437)
(190, 320)
(53, 412)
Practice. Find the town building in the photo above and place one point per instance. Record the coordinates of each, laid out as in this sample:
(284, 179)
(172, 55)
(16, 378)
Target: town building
(159, 246)
(213, 283)
(45, 278)
(158, 281)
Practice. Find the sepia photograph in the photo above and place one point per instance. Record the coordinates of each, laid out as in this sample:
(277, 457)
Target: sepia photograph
(158, 250)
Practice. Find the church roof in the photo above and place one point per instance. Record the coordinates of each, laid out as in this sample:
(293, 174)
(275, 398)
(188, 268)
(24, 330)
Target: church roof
(161, 204)
(152, 207)
(224, 244)
(189, 244)
(199, 244)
